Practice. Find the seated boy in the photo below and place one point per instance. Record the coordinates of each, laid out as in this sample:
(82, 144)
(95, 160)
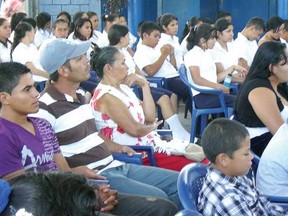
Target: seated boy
(226, 190)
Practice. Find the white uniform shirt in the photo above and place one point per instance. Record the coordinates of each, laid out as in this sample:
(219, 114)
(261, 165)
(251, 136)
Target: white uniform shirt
(95, 37)
(245, 49)
(146, 55)
(5, 52)
(24, 54)
(226, 58)
(103, 40)
(183, 45)
(202, 59)
(173, 41)
(40, 36)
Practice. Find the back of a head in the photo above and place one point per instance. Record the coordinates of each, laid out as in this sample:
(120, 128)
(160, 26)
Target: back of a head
(116, 32)
(222, 14)
(16, 18)
(79, 14)
(42, 19)
(91, 14)
(274, 23)
(257, 22)
(52, 194)
(66, 14)
(204, 31)
(101, 57)
(109, 17)
(222, 136)
(148, 28)
(30, 20)
(269, 53)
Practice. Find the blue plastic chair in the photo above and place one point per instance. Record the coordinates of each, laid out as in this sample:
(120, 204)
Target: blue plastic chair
(188, 212)
(5, 191)
(189, 184)
(202, 112)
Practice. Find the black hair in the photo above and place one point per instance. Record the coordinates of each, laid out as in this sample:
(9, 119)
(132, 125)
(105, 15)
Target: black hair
(204, 30)
(116, 32)
(52, 194)
(79, 23)
(30, 20)
(166, 19)
(269, 53)
(42, 19)
(10, 73)
(222, 14)
(91, 14)
(101, 57)
(19, 32)
(221, 24)
(274, 23)
(78, 15)
(191, 23)
(65, 13)
(16, 18)
(109, 17)
(222, 136)
(257, 22)
(148, 28)
(208, 20)
(158, 23)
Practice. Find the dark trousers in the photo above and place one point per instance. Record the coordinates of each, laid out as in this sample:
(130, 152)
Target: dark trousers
(259, 143)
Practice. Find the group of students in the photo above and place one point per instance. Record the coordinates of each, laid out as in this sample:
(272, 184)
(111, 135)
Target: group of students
(68, 139)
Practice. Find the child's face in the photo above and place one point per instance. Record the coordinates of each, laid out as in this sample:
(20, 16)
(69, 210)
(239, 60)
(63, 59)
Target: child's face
(241, 161)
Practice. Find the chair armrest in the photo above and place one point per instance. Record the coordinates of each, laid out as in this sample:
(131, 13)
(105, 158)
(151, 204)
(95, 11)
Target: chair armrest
(135, 159)
(164, 132)
(150, 152)
(159, 82)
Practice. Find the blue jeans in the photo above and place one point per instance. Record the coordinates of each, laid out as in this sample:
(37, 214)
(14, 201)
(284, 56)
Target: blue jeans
(145, 181)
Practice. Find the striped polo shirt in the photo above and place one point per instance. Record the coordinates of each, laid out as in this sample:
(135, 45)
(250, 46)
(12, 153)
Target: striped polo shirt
(75, 127)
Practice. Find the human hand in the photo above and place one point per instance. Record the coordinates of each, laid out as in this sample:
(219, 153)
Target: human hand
(136, 79)
(156, 123)
(225, 89)
(242, 71)
(107, 198)
(88, 173)
(167, 49)
(127, 150)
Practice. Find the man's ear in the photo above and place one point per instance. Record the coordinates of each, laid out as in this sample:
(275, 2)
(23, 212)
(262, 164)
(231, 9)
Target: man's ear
(223, 160)
(4, 98)
(63, 71)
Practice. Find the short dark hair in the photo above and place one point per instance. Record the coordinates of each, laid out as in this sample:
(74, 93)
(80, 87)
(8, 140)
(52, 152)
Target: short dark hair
(167, 18)
(115, 33)
(222, 14)
(148, 28)
(42, 19)
(30, 20)
(257, 22)
(65, 13)
(222, 136)
(59, 20)
(10, 73)
(222, 24)
(42, 194)
(274, 23)
(101, 57)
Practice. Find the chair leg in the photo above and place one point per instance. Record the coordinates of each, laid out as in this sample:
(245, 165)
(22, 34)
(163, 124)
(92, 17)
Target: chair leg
(193, 127)
(186, 110)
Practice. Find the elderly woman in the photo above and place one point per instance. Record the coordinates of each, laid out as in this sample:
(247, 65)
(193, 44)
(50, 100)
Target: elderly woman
(259, 105)
(121, 117)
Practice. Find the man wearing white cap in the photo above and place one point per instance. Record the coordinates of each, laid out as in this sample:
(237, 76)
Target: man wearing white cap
(74, 124)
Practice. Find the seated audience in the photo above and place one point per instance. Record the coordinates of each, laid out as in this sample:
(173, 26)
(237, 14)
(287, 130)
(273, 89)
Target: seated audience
(121, 117)
(201, 69)
(284, 33)
(246, 41)
(95, 25)
(67, 17)
(263, 116)
(5, 43)
(272, 173)
(15, 20)
(226, 190)
(24, 51)
(274, 28)
(167, 100)
(72, 119)
(29, 144)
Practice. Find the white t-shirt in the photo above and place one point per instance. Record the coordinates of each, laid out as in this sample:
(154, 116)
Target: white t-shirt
(95, 37)
(5, 52)
(146, 55)
(202, 59)
(226, 58)
(40, 36)
(129, 61)
(24, 54)
(173, 41)
(103, 40)
(245, 49)
(183, 45)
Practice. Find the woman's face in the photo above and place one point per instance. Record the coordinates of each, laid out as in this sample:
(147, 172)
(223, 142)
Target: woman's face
(119, 67)
(31, 35)
(226, 35)
(281, 71)
(211, 42)
(86, 30)
(125, 40)
(95, 22)
(172, 28)
(5, 31)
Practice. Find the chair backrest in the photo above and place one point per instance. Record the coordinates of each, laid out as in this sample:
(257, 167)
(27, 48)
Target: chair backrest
(189, 183)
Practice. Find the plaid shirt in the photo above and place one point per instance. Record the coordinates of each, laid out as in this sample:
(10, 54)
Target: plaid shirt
(224, 195)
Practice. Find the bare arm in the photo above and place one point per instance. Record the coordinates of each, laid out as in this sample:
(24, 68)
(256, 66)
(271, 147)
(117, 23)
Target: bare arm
(221, 73)
(36, 71)
(13, 174)
(195, 73)
(152, 69)
(266, 108)
(243, 63)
